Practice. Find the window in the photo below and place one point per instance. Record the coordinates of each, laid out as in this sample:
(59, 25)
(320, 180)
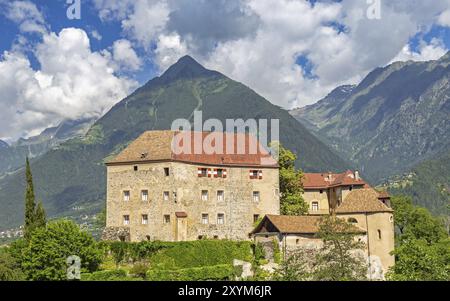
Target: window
(202, 172)
(204, 195)
(216, 236)
(144, 219)
(205, 219)
(315, 206)
(256, 196)
(144, 195)
(379, 233)
(126, 195)
(352, 220)
(350, 188)
(165, 195)
(391, 218)
(220, 173)
(220, 219)
(220, 195)
(255, 217)
(135, 168)
(166, 219)
(200, 237)
(126, 220)
(174, 194)
(255, 174)
(297, 241)
(166, 171)
(321, 190)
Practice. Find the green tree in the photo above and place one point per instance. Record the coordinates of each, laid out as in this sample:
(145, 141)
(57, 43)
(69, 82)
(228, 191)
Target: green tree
(30, 202)
(417, 260)
(296, 267)
(415, 222)
(10, 269)
(40, 218)
(291, 188)
(338, 259)
(35, 216)
(44, 258)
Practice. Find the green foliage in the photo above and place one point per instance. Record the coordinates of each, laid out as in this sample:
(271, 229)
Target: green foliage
(291, 200)
(216, 272)
(276, 251)
(296, 267)
(415, 222)
(422, 245)
(140, 270)
(34, 216)
(336, 261)
(113, 275)
(259, 252)
(30, 203)
(10, 269)
(416, 260)
(44, 258)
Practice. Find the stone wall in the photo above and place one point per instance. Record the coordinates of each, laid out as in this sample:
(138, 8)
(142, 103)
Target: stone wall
(116, 234)
(238, 206)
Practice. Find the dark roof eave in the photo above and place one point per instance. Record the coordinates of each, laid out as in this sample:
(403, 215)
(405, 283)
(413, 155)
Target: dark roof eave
(189, 162)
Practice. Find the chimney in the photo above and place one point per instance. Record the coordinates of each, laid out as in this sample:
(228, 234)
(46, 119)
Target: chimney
(357, 178)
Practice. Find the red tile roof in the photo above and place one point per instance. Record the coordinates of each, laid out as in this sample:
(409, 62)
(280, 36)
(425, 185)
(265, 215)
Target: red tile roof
(327, 180)
(236, 149)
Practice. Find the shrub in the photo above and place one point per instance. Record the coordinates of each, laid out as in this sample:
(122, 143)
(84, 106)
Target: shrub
(139, 270)
(114, 275)
(44, 258)
(217, 272)
(276, 251)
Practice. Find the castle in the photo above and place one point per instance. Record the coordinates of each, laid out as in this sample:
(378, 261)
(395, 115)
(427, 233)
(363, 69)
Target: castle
(155, 192)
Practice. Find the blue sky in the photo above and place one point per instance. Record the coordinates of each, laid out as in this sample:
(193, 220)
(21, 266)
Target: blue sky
(291, 52)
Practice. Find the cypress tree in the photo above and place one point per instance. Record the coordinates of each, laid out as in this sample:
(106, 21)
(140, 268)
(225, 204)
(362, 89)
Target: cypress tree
(30, 204)
(40, 219)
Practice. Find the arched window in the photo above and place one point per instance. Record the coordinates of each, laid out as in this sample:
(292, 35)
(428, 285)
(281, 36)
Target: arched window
(379, 234)
(352, 220)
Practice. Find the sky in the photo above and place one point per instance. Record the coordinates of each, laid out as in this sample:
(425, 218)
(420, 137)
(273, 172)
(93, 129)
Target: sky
(58, 62)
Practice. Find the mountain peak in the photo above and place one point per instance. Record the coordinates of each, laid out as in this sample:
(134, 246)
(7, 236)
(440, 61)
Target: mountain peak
(3, 144)
(186, 68)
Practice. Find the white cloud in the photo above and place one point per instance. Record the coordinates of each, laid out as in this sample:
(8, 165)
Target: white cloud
(169, 50)
(66, 87)
(125, 56)
(444, 18)
(96, 35)
(426, 52)
(25, 14)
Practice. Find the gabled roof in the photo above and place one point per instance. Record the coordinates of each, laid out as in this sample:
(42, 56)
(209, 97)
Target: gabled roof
(154, 146)
(306, 224)
(362, 201)
(327, 180)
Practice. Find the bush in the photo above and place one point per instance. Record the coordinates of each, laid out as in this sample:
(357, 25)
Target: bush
(114, 275)
(9, 268)
(45, 256)
(139, 270)
(217, 272)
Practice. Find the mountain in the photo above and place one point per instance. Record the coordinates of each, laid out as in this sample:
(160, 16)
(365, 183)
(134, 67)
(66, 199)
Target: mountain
(71, 179)
(428, 184)
(3, 144)
(13, 157)
(396, 118)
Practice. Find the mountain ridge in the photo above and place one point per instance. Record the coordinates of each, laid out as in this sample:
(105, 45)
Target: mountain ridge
(72, 175)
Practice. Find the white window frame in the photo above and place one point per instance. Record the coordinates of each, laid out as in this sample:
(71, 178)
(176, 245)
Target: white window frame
(220, 195)
(144, 220)
(144, 195)
(205, 218)
(204, 195)
(126, 195)
(126, 220)
(256, 196)
(166, 195)
(221, 218)
(314, 206)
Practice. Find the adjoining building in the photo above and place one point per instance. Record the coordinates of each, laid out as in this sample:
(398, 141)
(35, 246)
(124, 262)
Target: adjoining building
(349, 197)
(155, 192)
